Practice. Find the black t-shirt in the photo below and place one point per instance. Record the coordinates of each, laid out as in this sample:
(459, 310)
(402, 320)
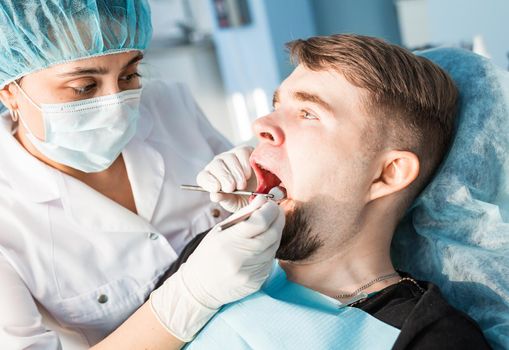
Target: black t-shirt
(416, 308)
(425, 319)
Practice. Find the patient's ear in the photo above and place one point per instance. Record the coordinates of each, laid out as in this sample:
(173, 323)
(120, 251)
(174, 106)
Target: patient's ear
(397, 170)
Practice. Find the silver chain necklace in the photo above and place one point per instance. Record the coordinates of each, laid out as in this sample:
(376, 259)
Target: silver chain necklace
(367, 285)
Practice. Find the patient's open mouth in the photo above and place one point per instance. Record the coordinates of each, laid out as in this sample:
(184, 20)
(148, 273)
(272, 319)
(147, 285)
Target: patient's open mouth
(266, 179)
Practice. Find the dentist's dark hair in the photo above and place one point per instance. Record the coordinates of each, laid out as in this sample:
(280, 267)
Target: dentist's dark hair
(412, 100)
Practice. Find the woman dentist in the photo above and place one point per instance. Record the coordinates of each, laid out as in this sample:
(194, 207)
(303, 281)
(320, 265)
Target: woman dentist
(91, 216)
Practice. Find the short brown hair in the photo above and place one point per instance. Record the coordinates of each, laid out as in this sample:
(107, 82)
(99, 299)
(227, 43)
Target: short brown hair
(412, 99)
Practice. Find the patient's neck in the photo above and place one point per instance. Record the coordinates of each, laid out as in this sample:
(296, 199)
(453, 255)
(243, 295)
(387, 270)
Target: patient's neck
(342, 269)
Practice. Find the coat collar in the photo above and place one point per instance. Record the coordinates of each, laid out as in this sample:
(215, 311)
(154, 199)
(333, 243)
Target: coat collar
(93, 211)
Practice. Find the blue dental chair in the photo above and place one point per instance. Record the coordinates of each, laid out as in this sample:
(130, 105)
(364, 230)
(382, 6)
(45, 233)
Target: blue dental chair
(456, 234)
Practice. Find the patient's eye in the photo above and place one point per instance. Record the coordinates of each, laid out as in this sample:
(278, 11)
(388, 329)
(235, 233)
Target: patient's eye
(308, 115)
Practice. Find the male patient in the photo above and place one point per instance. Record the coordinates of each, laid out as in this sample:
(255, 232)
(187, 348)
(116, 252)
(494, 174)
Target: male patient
(357, 131)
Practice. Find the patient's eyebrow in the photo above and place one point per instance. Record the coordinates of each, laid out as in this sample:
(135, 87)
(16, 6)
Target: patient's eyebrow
(306, 96)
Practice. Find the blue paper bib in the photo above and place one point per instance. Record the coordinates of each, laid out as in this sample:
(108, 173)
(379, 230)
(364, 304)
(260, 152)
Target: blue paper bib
(285, 315)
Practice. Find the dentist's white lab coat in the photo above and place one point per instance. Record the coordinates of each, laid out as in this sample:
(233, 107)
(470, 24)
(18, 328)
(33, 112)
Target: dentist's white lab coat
(89, 261)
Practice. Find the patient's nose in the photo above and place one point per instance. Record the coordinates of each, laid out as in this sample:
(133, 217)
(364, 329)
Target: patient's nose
(267, 131)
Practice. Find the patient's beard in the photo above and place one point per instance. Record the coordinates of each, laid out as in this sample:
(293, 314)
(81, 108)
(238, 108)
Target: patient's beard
(298, 241)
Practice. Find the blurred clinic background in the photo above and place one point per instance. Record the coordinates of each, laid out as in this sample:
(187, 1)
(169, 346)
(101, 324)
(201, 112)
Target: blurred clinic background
(231, 52)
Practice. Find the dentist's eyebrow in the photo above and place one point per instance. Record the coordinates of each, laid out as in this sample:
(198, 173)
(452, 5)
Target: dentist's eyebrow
(307, 97)
(99, 70)
(84, 71)
(134, 60)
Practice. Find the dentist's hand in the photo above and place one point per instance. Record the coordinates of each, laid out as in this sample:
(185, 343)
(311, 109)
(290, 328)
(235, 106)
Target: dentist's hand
(227, 266)
(229, 171)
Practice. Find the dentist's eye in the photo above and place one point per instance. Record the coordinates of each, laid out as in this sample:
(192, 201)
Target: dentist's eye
(130, 77)
(307, 115)
(84, 90)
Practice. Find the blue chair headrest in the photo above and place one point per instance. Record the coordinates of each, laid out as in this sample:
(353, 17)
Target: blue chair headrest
(456, 234)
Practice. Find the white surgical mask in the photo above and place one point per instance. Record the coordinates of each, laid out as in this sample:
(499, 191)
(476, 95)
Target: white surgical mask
(87, 135)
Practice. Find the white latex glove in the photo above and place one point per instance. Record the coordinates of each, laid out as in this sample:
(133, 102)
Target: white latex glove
(227, 266)
(229, 171)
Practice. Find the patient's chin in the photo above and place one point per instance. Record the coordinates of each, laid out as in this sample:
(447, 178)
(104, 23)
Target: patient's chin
(298, 242)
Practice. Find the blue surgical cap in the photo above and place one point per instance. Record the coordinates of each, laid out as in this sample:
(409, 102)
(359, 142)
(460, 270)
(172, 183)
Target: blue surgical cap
(36, 34)
(457, 233)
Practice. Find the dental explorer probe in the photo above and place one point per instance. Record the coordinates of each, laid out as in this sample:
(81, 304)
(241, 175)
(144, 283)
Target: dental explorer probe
(276, 194)
(238, 193)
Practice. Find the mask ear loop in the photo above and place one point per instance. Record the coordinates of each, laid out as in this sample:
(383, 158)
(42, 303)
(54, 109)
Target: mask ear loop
(18, 114)
(26, 96)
